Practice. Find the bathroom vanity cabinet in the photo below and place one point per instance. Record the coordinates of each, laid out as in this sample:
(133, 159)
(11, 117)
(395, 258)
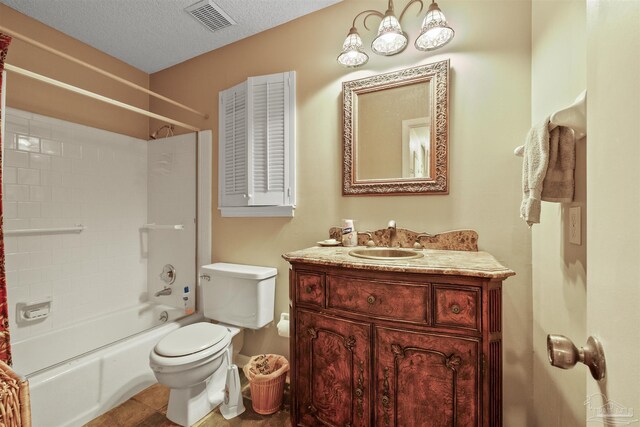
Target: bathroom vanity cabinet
(395, 345)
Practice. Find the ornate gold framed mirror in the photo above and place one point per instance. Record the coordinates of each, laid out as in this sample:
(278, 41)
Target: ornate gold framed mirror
(396, 132)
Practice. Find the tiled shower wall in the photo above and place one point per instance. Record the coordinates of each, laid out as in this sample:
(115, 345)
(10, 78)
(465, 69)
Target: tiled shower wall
(172, 201)
(60, 174)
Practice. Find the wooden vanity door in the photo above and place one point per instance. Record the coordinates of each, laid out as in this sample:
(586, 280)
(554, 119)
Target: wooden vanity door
(333, 386)
(426, 380)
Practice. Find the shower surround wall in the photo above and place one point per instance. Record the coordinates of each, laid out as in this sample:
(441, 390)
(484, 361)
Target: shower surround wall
(60, 174)
(172, 201)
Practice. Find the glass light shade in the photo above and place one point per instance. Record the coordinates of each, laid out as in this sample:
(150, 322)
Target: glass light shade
(435, 31)
(390, 39)
(352, 54)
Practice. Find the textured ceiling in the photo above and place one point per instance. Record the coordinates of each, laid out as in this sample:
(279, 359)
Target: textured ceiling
(155, 34)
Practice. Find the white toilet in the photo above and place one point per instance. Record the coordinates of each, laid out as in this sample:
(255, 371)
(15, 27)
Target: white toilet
(192, 361)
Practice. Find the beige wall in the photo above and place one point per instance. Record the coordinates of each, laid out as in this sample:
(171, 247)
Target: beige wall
(30, 95)
(490, 114)
(558, 75)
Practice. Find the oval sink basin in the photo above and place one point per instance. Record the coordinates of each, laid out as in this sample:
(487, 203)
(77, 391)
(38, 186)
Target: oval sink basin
(388, 254)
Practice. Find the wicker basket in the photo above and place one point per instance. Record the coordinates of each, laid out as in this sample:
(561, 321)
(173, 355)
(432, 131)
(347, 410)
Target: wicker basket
(266, 374)
(266, 397)
(15, 408)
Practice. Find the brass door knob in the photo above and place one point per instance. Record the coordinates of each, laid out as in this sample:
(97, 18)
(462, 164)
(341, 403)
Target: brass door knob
(564, 354)
(455, 309)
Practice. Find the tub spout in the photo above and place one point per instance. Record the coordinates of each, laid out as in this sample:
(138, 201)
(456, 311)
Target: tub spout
(165, 291)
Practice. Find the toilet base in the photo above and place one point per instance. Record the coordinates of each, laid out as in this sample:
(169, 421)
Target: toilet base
(188, 405)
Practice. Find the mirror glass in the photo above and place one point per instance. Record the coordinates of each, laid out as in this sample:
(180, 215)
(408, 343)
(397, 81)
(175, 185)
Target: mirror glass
(394, 143)
(393, 133)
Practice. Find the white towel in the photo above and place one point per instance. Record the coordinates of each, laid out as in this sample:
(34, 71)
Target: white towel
(534, 169)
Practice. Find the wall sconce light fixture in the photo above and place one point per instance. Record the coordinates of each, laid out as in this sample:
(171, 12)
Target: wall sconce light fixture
(390, 39)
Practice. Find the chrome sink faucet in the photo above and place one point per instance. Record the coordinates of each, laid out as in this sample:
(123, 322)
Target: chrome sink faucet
(391, 226)
(164, 292)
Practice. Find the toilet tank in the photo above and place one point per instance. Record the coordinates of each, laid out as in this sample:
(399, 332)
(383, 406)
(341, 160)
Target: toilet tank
(237, 294)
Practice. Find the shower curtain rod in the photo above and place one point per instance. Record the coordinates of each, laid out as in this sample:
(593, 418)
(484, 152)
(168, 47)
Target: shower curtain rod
(56, 52)
(97, 96)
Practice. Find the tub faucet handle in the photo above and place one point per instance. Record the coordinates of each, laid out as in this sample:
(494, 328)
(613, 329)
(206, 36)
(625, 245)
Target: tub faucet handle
(168, 274)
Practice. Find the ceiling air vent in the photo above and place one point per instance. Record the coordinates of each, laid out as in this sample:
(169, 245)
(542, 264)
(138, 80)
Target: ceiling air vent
(210, 15)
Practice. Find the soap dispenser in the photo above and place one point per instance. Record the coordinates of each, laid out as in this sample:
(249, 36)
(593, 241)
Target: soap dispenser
(349, 234)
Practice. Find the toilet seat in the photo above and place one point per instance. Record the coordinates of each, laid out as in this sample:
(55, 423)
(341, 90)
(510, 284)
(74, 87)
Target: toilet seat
(195, 337)
(191, 339)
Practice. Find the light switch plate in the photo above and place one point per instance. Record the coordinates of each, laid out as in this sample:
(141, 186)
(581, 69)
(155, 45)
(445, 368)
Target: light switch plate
(575, 225)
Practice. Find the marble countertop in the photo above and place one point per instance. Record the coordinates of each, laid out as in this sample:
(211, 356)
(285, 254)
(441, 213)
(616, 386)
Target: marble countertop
(454, 263)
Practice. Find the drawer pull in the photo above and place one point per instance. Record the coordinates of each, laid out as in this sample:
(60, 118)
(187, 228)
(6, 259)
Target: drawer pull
(371, 299)
(455, 309)
(308, 289)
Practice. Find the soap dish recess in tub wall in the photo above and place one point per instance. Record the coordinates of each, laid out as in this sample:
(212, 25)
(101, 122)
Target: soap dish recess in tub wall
(27, 312)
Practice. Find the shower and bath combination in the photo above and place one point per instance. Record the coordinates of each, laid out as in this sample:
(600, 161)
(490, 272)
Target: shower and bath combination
(119, 191)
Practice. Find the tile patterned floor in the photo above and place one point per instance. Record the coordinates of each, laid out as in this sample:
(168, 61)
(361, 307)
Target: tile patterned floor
(148, 409)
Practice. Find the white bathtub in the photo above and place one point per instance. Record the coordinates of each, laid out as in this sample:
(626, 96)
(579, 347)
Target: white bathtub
(74, 391)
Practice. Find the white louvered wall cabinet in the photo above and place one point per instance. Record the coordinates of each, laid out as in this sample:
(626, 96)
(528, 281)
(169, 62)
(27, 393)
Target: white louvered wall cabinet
(257, 147)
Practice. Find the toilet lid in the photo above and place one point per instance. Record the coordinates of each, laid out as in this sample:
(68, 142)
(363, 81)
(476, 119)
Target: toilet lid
(191, 339)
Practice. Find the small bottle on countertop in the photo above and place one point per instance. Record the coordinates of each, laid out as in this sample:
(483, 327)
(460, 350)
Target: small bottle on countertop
(349, 234)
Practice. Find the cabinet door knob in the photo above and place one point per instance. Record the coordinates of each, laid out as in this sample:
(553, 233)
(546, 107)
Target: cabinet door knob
(371, 299)
(455, 309)
(308, 289)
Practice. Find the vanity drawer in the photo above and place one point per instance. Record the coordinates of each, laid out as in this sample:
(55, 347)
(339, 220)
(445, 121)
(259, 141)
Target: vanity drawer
(456, 307)
(310, 288)
(390, 300)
